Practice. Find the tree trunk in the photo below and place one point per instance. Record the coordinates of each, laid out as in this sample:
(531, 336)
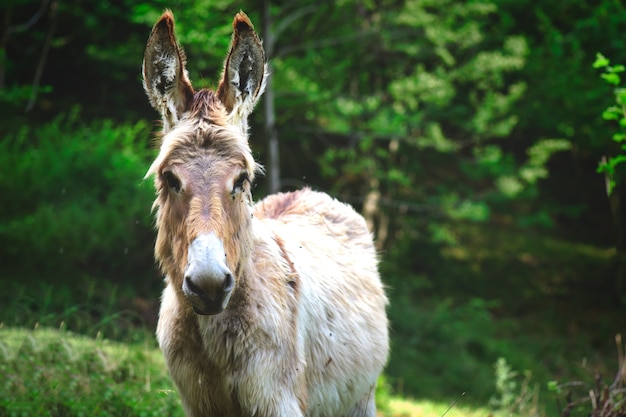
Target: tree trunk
(273, 164)
(4, 39)
(7, 30)
(617, 214)
(42, 59)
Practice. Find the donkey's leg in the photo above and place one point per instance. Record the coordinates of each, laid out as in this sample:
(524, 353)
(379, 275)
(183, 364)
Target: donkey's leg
(289, 407)
(366, 407)
(272, 401)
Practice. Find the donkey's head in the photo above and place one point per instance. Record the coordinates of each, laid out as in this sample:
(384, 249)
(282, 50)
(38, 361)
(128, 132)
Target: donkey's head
(205, 168)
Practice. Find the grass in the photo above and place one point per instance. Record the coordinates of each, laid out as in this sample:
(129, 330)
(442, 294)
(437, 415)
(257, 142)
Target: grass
(403, 407)
(54, 372)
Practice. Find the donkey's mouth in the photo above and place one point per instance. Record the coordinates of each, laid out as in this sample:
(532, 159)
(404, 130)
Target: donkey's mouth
(209, 310)
(205, 307)
(203, 304)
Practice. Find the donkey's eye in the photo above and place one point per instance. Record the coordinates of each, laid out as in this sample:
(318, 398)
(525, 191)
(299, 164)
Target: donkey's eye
(241, 180)
(172, 181)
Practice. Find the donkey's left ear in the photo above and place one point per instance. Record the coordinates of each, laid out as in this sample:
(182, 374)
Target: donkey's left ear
(243, 80)
(165, 78)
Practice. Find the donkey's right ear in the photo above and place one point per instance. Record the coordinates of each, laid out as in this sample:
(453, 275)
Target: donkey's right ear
(165, 78)
(245, 75)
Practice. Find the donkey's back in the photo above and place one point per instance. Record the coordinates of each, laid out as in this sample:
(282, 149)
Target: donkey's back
(341, 308)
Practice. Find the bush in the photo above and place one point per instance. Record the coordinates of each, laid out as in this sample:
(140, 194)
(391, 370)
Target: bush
(75, 202)
(595, 396)
(441, 348)
(515, 393)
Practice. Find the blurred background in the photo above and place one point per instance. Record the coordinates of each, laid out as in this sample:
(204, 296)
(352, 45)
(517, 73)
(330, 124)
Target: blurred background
(480, 139)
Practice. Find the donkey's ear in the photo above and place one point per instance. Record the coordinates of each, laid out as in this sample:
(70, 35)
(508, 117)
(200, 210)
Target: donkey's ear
(243, 80)
(165, 78)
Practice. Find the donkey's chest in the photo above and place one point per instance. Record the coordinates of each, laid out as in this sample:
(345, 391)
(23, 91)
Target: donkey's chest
(205, 384)
(204, 389)
(218, 362)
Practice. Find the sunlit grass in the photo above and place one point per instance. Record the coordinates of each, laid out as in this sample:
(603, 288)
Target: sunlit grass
(54, 372)
(402, 407)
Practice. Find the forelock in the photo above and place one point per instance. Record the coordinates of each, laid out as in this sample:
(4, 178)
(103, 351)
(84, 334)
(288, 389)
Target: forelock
(204, 126)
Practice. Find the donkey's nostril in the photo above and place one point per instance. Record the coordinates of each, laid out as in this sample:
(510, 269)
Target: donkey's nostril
(229, 283)
(193, 287)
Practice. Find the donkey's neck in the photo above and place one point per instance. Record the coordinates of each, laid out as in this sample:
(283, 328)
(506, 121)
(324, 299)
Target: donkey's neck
(264, 274)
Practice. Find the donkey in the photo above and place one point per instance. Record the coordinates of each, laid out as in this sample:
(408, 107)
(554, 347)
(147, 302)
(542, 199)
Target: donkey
(273, 309)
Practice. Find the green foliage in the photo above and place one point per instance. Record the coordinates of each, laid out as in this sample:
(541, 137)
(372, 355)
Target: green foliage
(90, 306)
(533, 169)
(57, 373)
(17, 96)
(514, 394)
(561, 100)
(451, 320)
(427, 124)
(439, 347)
(616, 112)
(505, 385)
(383, 396)
(203, 29)
(76, 201)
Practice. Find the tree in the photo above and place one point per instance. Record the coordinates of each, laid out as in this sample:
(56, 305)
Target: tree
(611, 165)
(409, 103)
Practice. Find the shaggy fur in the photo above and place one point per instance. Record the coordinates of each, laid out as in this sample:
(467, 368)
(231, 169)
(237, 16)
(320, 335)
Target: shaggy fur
(273, 309)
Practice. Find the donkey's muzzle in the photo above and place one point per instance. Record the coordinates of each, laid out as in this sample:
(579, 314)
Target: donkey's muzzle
(206, 303)
(208, 282)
